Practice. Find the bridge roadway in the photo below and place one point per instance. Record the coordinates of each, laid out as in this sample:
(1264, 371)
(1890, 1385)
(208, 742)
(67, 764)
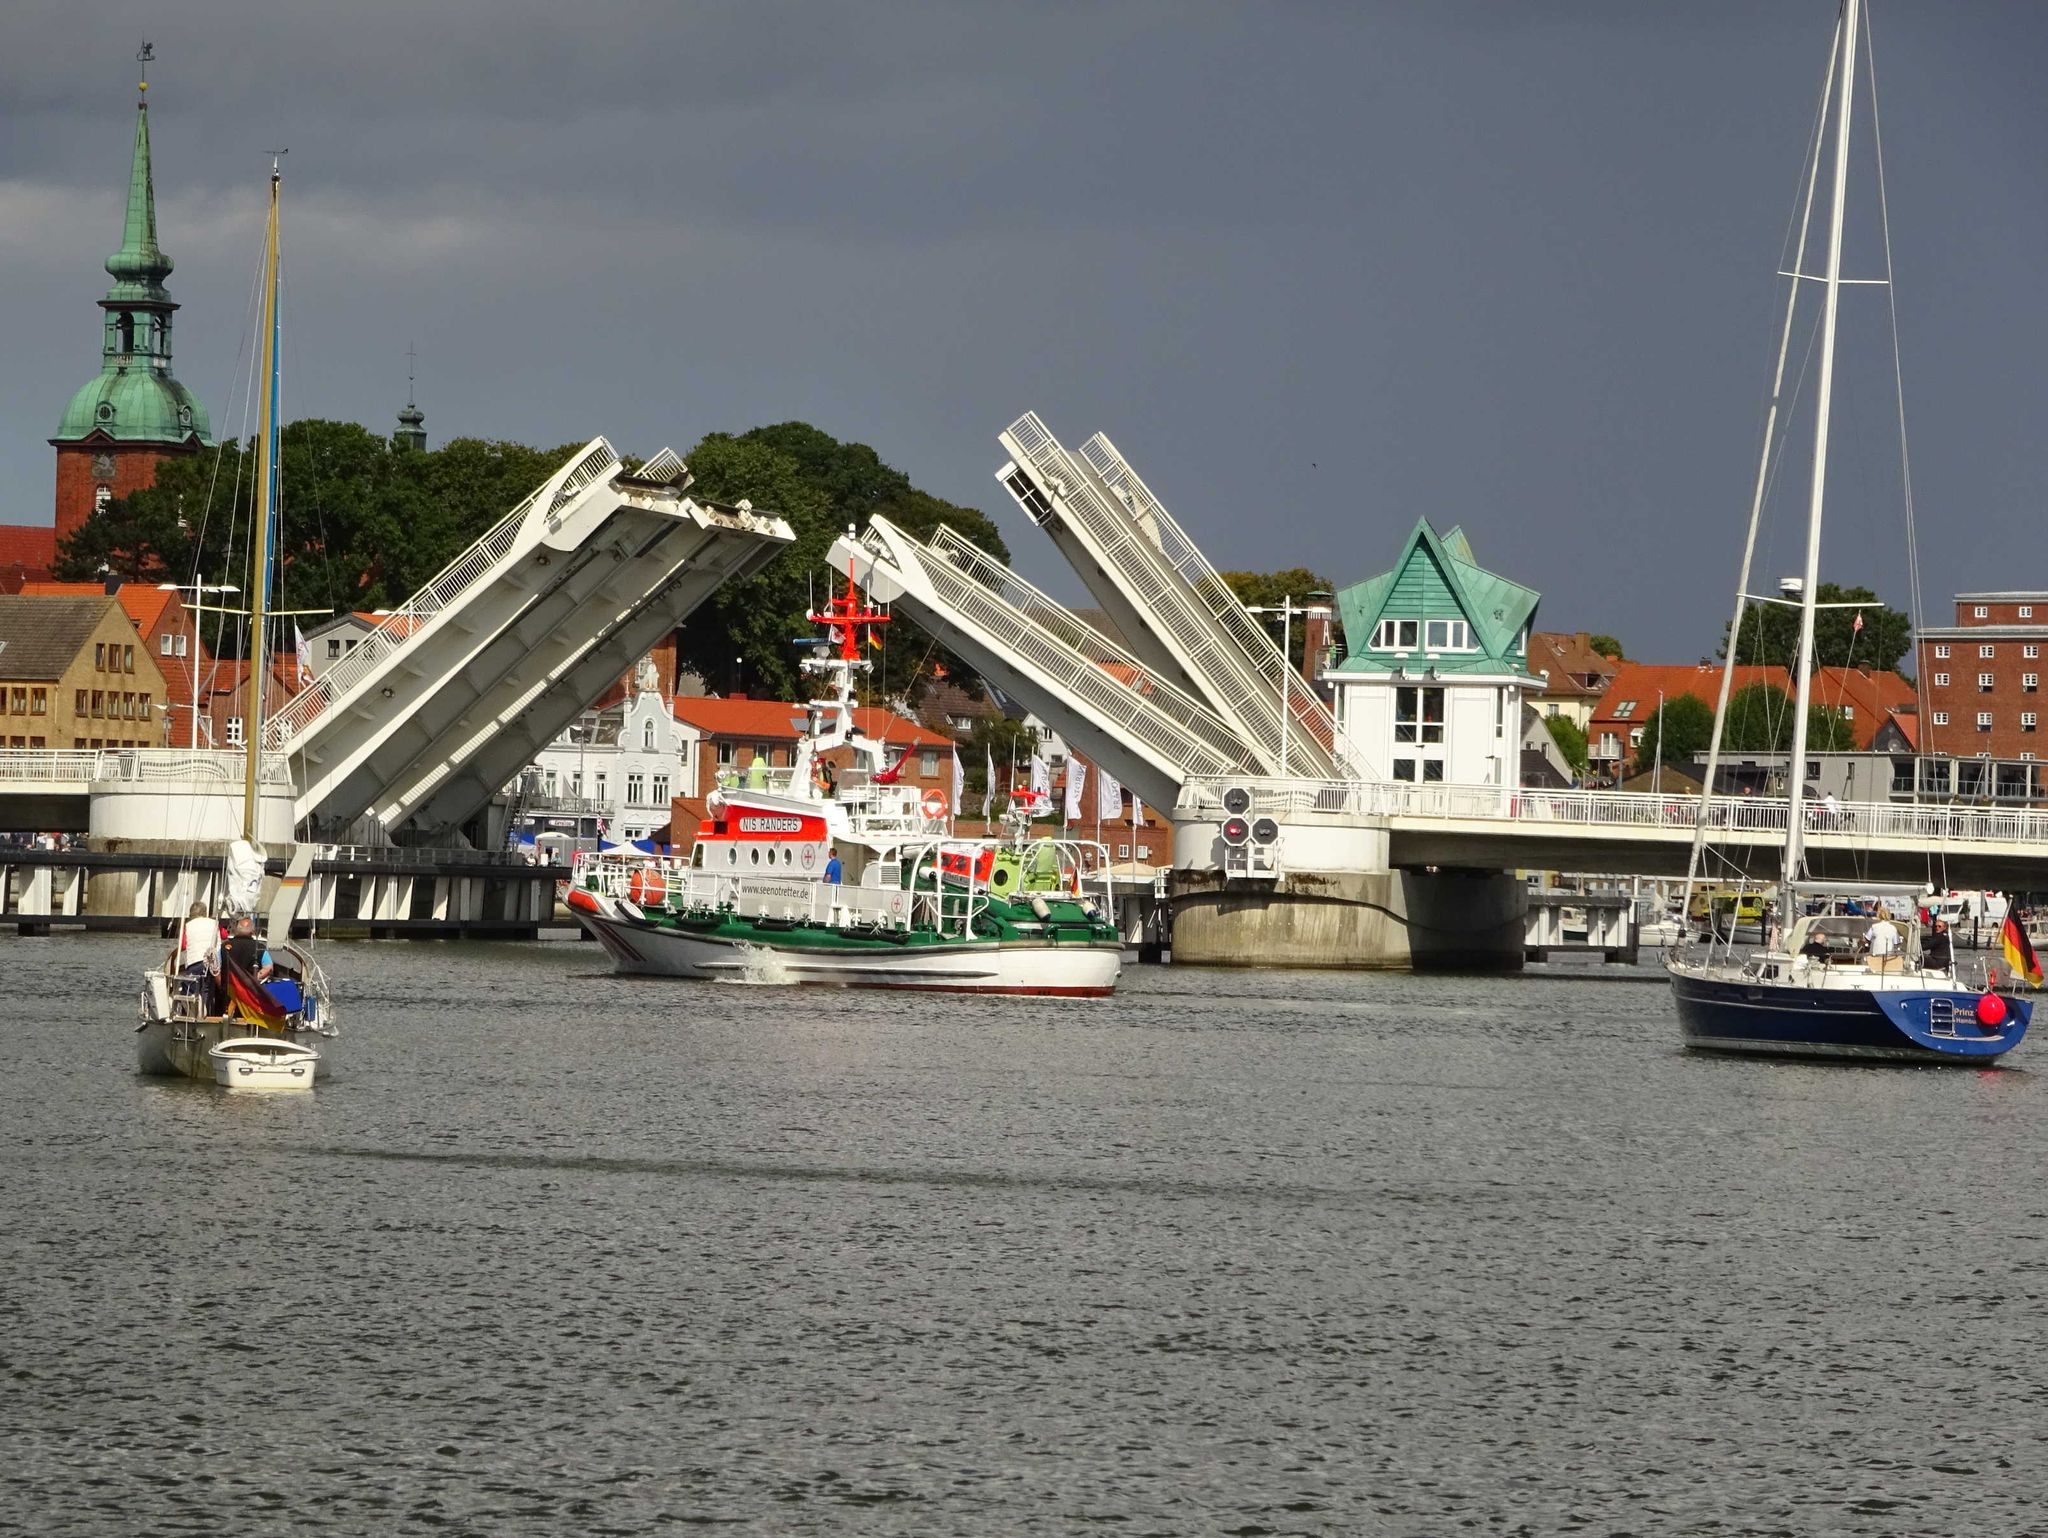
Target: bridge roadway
(1500, 828)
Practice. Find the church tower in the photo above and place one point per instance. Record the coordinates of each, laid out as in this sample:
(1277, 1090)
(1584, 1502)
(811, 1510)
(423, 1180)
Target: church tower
(411, 437)
(120, 426)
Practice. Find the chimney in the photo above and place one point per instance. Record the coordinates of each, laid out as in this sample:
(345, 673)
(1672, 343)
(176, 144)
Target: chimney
(113, 586)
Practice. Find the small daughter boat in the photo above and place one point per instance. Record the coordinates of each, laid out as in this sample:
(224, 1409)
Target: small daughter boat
(263, 1064)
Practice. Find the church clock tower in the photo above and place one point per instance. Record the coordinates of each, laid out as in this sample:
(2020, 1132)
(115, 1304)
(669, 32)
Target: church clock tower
(120, 426)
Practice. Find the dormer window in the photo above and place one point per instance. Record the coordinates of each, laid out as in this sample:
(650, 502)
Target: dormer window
(1396, 635)
(1446, 635)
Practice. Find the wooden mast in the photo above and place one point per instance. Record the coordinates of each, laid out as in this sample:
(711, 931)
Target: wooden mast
(266, 511)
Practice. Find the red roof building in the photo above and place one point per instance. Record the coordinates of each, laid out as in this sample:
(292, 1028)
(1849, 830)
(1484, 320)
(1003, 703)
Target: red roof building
(27, 553)
(1867, 700)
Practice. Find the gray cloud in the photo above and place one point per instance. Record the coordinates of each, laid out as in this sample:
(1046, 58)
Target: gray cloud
(1504, 265)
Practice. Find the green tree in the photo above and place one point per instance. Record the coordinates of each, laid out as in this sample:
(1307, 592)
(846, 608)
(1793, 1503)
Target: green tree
(1606, 646)
(1570, 740)
(1267, 589)
(1760, 721)
(1676, 732)
(820, 486)
(1770, 632)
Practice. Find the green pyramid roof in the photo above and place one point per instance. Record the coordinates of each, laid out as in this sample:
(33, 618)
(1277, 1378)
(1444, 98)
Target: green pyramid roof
(1436, 578)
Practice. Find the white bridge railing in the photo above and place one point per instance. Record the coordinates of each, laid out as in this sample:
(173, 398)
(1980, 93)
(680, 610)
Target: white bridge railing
(87, 766)
(405, 622)
(1874, 822)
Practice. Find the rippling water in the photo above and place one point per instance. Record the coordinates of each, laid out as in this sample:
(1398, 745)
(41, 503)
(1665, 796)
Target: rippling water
(558, 1252)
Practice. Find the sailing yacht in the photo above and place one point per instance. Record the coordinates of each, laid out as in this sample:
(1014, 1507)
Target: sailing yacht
(1826, 985)
(245, 1030)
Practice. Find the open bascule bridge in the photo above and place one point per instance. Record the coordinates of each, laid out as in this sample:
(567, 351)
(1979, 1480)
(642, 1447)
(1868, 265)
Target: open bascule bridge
(389, 765)
(1294, 844)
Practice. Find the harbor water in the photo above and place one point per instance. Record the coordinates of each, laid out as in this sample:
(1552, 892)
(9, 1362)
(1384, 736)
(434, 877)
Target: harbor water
(552, 1251)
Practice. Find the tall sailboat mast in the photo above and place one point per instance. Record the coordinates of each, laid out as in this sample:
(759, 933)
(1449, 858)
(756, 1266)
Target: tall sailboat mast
(266, 512)
(1802, 661)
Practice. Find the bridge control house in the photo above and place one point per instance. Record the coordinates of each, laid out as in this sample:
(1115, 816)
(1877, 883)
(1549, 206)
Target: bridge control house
(1435, 665)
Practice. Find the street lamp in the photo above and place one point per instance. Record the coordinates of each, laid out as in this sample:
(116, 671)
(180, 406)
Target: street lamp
(1287, 608)
(198, 590)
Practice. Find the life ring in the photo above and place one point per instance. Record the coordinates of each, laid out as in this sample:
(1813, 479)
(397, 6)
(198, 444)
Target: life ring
(934, 803)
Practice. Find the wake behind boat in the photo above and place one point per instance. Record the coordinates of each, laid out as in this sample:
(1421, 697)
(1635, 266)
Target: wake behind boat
(1827, 985)
(812, 875)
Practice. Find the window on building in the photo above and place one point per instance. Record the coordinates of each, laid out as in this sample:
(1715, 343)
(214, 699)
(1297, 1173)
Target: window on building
(928, 762)
(661, 795)
(1610, 745)
(334, 646)
(2027, 720)
(761, 752)
(1624, 710)
(1404, 769)
(1984, 683)
(163, 644)
(598, 780)
(1941, 718)
(2028, 757)
(636, 788)
(234, 731)
(1395, 635)
(1941, 651)
(1433, 769)
(1446, 635)
(2031, 682)
(1941, 680)
(1970, 777)
(725, 753)
(1418, 714)
(1935, 776)
(38, 702)
(1980, 612)
(127, 659)
(1144, 851)
(1987, 652)
(647, 735)
(548, 783)
(2026, 611)
(1550, 710)
(78, 704)
(1902, 776)
(1983, 720)
(99, 704)
(99, 656)
(1123, 851)
(576, 783)
(180, 648)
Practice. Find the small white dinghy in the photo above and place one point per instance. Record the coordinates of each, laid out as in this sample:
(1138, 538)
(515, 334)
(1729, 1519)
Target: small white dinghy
(263, 1063)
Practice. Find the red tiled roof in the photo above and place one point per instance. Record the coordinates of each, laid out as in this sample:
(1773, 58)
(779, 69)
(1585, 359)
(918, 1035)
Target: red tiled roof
(782, 721)
(1873, 697)
(32, 546)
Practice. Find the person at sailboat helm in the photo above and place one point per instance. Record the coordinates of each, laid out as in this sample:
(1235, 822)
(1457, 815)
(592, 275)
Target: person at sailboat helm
(1937, 952)
(1816, 945)
(1881, 940)
(247, 950)
(198, 952)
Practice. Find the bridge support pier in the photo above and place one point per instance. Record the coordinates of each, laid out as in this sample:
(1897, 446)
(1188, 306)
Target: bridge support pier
(1400, 920)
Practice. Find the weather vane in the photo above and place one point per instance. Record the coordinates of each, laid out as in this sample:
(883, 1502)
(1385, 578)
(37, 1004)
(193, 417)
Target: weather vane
(142, 56)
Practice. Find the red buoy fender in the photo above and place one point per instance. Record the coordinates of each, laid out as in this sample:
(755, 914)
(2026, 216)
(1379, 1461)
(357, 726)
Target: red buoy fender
(1990, 1010)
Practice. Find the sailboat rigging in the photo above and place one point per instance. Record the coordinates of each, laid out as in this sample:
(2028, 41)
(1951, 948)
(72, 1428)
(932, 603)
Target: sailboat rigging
(1830, 985)
(242, 1011)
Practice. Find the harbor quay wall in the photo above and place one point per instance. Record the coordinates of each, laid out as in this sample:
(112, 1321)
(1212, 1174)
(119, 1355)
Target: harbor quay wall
(1396, 920)
(147, 886)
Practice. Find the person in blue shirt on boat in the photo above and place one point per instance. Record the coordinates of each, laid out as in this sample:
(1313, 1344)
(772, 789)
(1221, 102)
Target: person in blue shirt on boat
(833, 870)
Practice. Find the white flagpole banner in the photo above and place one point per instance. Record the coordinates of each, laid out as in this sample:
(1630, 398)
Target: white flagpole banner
(959, 784)
(1109, 796)
(1041, 777)
(1077, 776)
(988, 789)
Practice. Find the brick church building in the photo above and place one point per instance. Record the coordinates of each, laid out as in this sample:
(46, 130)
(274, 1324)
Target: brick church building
(134, 414)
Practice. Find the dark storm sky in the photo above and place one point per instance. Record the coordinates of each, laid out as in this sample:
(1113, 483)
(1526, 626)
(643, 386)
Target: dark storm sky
(1318, 268)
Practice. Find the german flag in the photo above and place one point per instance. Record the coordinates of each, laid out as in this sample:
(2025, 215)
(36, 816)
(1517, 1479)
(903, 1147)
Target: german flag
(252, 1000)
(2019, 955)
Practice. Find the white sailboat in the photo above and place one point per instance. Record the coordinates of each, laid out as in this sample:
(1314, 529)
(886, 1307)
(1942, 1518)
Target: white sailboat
(204, 1022)
(1826, 985)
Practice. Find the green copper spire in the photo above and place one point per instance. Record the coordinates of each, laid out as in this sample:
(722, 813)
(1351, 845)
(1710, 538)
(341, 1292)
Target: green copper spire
(135, 399)
(140, 266)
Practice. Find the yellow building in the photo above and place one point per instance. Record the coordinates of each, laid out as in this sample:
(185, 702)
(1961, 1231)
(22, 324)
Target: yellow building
(74, 674)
